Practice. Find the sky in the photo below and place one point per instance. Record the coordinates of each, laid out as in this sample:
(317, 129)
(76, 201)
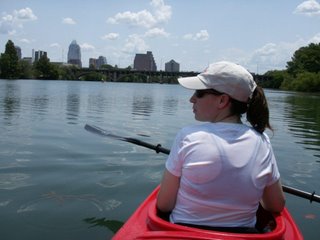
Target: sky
(258, 34)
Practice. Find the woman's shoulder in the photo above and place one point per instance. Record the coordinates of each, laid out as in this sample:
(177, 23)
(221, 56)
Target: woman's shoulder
(195, 128)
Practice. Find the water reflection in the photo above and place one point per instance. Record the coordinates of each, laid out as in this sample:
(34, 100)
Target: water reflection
(10, 181)
(57, 205)
(170, 106)
(303, 116)
(11, 100)
(112, 225)
(142, 106)
(97, 103)
(73, 107)
(40, 104)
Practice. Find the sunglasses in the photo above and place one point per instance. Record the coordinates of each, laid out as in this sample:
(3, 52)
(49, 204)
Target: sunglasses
(202, 93)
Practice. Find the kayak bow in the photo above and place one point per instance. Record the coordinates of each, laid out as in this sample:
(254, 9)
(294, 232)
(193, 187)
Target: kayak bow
(146, 224)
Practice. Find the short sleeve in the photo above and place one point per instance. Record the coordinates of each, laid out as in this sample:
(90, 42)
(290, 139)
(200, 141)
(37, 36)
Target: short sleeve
(174, 161)
(275, 174)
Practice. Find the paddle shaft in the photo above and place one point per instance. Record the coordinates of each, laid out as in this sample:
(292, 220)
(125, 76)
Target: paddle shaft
(310, 196)
(104, 133)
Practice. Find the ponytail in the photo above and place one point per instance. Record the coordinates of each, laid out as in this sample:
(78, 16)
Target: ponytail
(257, 110)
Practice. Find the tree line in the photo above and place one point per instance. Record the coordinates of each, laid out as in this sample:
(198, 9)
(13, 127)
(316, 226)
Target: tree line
(302, 73)
(13, 68)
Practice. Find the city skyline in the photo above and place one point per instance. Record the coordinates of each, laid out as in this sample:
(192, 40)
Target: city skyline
(260, 35)
(142, 61)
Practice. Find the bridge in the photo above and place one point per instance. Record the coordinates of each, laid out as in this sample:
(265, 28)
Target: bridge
(129, 75)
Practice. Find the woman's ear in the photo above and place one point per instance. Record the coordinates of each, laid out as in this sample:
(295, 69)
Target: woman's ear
(224, 101)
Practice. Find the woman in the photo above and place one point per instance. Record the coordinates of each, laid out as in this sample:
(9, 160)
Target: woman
(219, 171)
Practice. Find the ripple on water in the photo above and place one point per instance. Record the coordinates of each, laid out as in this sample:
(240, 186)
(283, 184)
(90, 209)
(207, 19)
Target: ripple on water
(112, 179)
(10, 181)
(61, 209)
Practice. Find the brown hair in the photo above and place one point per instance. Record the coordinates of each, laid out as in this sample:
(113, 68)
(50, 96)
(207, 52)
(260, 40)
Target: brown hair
(257, 110)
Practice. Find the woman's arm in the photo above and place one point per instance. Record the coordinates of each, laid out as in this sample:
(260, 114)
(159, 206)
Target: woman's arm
(167, 195)
(273, 198)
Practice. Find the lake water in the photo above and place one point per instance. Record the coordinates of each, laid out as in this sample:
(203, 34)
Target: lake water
(58, 181)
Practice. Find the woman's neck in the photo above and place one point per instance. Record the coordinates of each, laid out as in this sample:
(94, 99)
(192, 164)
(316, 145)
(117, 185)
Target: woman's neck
(228, 118)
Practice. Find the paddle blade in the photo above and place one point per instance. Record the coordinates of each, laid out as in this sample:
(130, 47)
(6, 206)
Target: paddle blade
(102, 132)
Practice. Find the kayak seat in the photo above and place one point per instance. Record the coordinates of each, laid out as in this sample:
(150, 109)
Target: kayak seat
(265, 223)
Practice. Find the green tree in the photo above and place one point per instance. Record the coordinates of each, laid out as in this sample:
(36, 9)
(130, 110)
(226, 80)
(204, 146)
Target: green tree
(93, 76)
(106, 66)
(67, 72)
(275, 77)
(45, 70)
(305, 59)
(9, 62)
(25, 70)
(305, 82)
(304, 70)
(302, 73)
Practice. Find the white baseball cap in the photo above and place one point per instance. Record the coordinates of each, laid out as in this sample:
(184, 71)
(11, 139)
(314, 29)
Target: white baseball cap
(225, 77)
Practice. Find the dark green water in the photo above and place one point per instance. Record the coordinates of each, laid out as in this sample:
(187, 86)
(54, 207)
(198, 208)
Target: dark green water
(54, 175)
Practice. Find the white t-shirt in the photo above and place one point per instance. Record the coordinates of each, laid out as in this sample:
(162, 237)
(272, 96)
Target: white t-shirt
(224, 168)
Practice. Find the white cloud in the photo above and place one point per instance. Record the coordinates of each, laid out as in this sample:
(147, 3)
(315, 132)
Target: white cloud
(188, 36)
(69, 21)
(144, 18)
(10, 22)
(24, 40)
(6, 24)
(54, 45)
(309, 8)
(162, 12)
(202, 35)
(266, 50)
(110, 36)
(274, 56)
(135, 44)
(315, 39)
(271, 56)
(155, 32)
(87, 47)
(25, 14)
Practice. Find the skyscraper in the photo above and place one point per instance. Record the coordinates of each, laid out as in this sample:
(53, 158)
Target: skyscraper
(39, 54)
(101, 61)
(144, 62)
(18, 49)
(74, 54)
(172, 66)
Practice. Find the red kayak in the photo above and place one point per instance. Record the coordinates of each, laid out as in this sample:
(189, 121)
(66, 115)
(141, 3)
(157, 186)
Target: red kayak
(146, 224)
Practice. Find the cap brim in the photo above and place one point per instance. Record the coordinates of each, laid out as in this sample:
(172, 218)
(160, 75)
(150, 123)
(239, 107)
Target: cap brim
(192, 83)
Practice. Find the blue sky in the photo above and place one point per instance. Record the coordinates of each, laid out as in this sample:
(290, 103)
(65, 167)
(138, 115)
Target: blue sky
(258, 34)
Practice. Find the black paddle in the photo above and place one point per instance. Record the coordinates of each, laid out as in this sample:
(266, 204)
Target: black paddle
(104, 133)
(310, 196)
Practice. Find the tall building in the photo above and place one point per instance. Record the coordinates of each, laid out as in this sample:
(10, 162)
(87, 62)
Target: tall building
(74, 54)
(39, 54)
(101, 61)
(144, 62)
(18, 49)
(93, 63)
(172, 66)
(97, 62)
